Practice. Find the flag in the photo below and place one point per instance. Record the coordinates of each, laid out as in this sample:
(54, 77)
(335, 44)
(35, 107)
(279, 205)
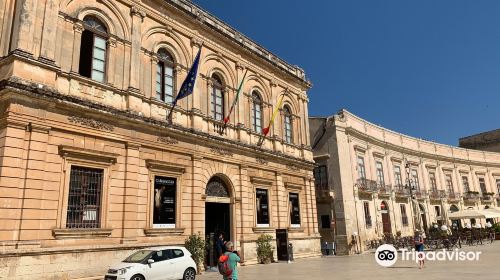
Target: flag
(265, 131)
(188, 84)
(226, 119)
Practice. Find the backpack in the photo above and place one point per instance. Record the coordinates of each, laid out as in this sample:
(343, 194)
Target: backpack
(223, 265)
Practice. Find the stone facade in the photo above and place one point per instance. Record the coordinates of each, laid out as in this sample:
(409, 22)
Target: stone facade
(486, 141)
(366, 189)
(58, 121)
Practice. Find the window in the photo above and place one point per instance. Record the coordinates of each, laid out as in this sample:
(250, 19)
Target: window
(217, 98)
(380, 174)
(165, 76)
(414, 177)
(320, 177)
(404, 216)
(432, 179)
(397, 175)
(325, 221)
(262, 207)
(159, 256)
(256, 112)
(288, 124)
(84, 199)
(93, 49)
(164, 202)
(361, 168)
(437, 209)
(482, 185)
(177, 253)
(449, 183)
(465, 183)
(368, 218)
(498, 186)
(294, 209)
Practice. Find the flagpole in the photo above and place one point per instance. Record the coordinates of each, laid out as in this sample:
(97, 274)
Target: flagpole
(226, 119)
(265, 131)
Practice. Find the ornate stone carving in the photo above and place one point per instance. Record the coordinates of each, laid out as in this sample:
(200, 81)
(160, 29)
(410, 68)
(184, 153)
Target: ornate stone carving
(261, 161)
(292, 167)
(167, 140)
(136, 11)
(91, 123)
(78, 27)
(196, 42)
(221, 151)
(240, 65)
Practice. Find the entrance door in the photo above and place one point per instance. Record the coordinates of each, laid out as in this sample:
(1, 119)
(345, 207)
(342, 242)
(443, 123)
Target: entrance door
(386, 220)
(217, 220)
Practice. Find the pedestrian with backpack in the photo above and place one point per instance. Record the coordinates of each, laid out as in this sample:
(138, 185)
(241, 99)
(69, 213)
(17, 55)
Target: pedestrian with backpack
(228, 263)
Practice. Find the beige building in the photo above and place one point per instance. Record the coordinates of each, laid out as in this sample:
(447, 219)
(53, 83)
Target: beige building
(366, 176)
(486, 141)
(90, 169)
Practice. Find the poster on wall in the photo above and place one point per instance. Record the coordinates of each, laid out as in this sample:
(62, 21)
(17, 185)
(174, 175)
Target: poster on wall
(164, 202)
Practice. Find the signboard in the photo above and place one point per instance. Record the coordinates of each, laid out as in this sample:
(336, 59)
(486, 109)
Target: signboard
(164, 202)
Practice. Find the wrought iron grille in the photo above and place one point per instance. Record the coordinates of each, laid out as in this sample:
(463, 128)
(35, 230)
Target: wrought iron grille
(216, 187)
(84, 199)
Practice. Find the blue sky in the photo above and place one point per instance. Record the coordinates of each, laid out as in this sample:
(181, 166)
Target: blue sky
(426, 68)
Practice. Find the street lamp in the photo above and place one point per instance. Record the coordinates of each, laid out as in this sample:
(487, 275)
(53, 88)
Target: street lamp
(411, 186)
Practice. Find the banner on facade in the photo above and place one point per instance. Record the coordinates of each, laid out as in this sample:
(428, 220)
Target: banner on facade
(164, 202)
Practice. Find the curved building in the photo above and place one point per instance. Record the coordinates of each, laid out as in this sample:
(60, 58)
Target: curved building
(367, 176)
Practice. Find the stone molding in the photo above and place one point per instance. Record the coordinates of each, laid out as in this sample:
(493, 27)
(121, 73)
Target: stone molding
(164, 166)
(74, 152)
(163, 231)
(87, 233)
(88, 122)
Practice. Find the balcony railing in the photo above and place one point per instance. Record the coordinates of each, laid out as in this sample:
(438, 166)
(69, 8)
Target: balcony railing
(487, 197)
(420, 194)
(401, 191)
(452, 196)
(471, 196)
(365, 185)
(437, 194)
(384, 190)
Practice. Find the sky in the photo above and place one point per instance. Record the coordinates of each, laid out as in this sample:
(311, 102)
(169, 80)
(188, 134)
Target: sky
(426, 68)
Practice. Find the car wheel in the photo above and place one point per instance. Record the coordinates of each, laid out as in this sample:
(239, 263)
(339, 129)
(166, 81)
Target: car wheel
(137, 277)
(189, 274)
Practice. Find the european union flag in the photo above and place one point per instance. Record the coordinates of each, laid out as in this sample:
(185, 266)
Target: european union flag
(188, 84)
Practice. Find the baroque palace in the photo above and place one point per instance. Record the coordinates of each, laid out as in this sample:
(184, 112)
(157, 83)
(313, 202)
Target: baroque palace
(367, 175)
(91, 169)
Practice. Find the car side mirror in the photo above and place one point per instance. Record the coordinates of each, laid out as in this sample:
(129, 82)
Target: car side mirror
(150, 261)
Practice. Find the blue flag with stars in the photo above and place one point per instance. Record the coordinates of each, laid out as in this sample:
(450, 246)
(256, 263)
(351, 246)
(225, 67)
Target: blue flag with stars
(188, 84)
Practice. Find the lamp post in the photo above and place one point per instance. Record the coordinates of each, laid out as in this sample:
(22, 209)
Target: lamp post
(411, 186)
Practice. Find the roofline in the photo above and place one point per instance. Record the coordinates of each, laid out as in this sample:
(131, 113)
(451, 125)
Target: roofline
(206, 18)
(479, 134)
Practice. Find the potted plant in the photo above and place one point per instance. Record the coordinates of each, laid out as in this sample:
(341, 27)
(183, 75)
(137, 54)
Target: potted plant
(264, 249)
(196, 246)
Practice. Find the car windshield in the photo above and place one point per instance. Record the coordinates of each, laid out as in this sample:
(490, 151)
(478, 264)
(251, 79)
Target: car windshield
(138, 256)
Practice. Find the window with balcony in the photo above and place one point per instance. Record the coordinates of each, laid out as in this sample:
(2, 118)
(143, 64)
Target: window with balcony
(288, 130)
(482, 185)
(380, 174)
(368, 217)
(321, 177)
(256, 112)
(165, 76)
(361, 168)
(449, 183)
(93, 49)
(217, 98)
(432, 181)
(465, 184)
(84, 198)
(397, 175)
(414, 177)
(404, 216)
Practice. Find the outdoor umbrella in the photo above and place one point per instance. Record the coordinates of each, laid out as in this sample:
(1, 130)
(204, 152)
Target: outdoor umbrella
(468, 214)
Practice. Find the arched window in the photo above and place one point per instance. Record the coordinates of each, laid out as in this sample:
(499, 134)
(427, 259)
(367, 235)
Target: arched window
(287, 124)
(165, 76)
(256, 112)
(93, 49)
(217, 98)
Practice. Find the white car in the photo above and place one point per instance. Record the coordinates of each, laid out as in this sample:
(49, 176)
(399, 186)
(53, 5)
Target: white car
(159, 263)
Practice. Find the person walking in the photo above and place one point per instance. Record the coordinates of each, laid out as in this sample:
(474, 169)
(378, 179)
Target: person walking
(419, 247)
(233, 260)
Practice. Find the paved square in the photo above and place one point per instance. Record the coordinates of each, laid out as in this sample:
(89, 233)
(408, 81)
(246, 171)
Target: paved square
(365, 267)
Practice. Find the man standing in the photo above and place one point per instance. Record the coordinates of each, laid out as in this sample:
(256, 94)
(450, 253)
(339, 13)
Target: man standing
(233, 260)
(219, 245)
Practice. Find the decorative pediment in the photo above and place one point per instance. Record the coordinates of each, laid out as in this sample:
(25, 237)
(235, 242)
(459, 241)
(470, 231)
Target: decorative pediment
(88, 154)
(157, 165)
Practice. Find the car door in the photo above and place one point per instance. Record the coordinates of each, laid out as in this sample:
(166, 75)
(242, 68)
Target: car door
(157, 270)
(176, 260)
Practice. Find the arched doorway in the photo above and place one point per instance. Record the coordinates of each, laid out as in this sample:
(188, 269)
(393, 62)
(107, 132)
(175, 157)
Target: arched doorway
(423, 216)
(455, 223)
(386, 219)
(217, 215)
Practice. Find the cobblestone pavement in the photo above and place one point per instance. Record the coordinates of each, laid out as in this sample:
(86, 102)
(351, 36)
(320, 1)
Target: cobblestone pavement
(364, 267)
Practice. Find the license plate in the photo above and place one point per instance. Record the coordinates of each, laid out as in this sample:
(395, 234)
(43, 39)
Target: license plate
(109, 277)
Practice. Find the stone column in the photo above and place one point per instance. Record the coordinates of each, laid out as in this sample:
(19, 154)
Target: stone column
(77, 41)
(111, 67)
(282, 202)
(49, 32)
(135, 54)
(130, 224)
(24, 27)
(198, 204)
